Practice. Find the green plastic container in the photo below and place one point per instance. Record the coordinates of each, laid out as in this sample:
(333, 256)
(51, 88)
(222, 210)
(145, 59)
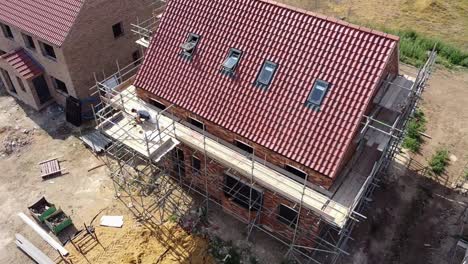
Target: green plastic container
(42, 209)
(58, 221)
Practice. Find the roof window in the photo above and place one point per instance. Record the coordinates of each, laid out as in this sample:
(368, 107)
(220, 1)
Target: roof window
(266, 74)
(232, 60)
(317, 94)
(189, 47)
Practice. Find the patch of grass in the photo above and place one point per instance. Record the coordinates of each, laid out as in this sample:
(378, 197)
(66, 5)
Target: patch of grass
(416, 126)
(465, 175)
(414, 49)
(439, 162)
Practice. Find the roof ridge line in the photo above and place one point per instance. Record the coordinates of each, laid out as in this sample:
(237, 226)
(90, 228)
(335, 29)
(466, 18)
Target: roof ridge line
(333, 20)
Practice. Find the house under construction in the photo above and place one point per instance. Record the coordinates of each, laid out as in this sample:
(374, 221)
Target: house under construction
(283, 118)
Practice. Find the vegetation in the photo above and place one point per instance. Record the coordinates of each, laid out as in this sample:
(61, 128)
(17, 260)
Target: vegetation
(465, 175)
(439, 162)
(414, 48)
(416, 125)
(227, 252)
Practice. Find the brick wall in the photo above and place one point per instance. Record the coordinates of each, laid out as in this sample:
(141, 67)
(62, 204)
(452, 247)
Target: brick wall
(260, 151)
(309, 223)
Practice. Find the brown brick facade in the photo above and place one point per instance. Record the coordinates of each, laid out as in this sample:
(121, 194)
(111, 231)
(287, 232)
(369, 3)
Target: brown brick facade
(309, 224)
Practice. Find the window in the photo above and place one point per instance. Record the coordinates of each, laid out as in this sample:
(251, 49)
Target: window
(287, 215)
(296, 171)
(60, 86)
(136, 58)
(42, 89)
(117, 29)
(190, 46)
(317, 94)
(48, 51)
(232, 60)
(8, 81)
(2, 52)
(196, 123)
(157, 104)
(244, 146)
(196, 165)
(21, 84)
(7, 31)
(29, 41)
(179, 162)
(240, 193)
(266, 74)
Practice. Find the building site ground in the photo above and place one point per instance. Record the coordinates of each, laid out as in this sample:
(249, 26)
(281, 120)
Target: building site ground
(414, 216)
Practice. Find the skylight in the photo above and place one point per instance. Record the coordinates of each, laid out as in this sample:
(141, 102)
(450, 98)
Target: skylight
(266, 74)
(232, 60)
(189, 47)
(317, 94)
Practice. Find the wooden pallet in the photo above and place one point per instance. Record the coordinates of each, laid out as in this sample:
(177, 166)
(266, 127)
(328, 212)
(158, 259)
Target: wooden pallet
(50, 168)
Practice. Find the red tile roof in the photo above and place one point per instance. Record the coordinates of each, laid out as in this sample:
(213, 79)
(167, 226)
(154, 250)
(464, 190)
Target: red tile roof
(50, 20)
(23, 63)
(306, 46)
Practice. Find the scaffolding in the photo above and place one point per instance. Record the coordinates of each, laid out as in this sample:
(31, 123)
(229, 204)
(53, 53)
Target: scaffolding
(145, 167)
(144, 29)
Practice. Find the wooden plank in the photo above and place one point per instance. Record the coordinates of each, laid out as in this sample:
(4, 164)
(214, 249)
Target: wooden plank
(32, 251)
(43, 234)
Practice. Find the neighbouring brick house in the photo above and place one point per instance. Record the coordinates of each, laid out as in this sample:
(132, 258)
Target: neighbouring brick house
(289, 86)
(51, 49)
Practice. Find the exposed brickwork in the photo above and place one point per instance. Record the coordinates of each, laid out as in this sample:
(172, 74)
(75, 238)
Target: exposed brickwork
(309, 223)
(260, 151)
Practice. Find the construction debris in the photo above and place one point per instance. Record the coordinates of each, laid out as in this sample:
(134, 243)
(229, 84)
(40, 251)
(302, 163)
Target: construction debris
(111, 221)
(32, 251)
(42, 233)
(14, 140)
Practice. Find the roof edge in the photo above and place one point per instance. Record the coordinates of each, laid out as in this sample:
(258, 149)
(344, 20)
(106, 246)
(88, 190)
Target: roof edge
(334, 20)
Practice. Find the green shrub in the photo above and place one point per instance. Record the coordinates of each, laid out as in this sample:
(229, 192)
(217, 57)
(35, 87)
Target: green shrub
(439, 162)
(416, 126)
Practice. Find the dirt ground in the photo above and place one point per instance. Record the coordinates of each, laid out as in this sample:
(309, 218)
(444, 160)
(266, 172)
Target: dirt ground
(444, 19)
(416, 218)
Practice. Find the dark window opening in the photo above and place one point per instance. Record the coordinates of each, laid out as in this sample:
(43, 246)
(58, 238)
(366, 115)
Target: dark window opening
(295, 171)
(60, 86)
(136, 56)
(7, 31)
(179, 162)
(196, 165)
(42, 89)
(117, 29)
(240, 193)
(232, 61)
(29, 41)
(157, 104)
(266, 74)
(9, 83)
(190, 46)
(2, 52)
(317, 94)
(48, 51)
(197, 123)
(244, 146)
(21, 84)
(287, 215)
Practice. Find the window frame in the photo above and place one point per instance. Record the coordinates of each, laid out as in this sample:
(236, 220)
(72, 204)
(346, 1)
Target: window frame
(21, 84)
(155, 103)
(244, 146)
(119, 26)
(196, 123)
(234, 193)
(196, 162)
(281, 218)
(45, 53)
(190, 55)
(231, 52)
(28, 40)
(312, 103)
(9, 82)
(291, 169)
(7, 31)
(56, 86)
(260, 84)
